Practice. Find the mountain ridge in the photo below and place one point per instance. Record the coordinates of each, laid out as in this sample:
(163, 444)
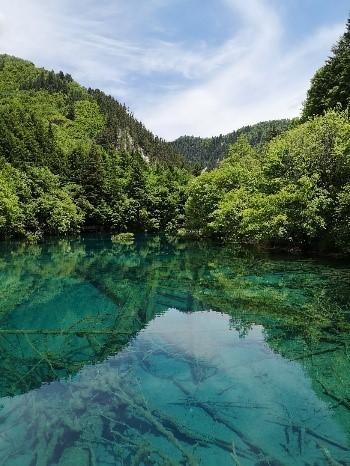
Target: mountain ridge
(208, 152)
(122, 129)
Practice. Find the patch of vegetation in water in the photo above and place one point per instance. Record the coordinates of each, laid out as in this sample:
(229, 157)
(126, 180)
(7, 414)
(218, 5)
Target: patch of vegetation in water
(123, 238)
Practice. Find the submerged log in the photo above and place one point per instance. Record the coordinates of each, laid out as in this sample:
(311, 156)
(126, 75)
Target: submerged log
(340, 401)
(329, 458)
(256, 450)
(316, 435)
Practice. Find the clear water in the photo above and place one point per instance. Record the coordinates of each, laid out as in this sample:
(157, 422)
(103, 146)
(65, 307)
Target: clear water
(165, 353)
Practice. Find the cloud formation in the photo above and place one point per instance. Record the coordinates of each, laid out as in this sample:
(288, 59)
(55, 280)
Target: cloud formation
(175, 85)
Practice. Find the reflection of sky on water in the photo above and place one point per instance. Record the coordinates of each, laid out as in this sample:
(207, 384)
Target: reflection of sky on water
(242, 381)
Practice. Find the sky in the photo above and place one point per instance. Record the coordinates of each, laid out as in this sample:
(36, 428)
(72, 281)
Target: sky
(194, 67)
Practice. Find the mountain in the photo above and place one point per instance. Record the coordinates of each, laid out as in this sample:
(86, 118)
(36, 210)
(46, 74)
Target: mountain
(106, 121)
(207, 152)
(73, 158)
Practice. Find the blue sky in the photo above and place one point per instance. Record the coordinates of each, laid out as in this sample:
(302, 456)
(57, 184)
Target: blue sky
(200, 67)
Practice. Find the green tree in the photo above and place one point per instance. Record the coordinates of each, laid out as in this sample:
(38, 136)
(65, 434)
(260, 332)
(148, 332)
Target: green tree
(11, 215)
(330, 87)
(292, 192)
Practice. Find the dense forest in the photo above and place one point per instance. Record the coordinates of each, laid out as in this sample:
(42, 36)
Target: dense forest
(74, 158)
(206, 153)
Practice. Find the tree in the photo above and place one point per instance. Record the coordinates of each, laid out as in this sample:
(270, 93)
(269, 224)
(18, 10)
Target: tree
(330, 87)
(11, 215)
(293, 192)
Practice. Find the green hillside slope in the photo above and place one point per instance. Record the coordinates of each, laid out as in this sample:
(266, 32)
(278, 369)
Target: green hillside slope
(207, 152)
(72, 157)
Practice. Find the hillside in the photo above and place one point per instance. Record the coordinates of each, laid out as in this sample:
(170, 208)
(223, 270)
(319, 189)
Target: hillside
(78, 114)
(207, 152)
(72, 157)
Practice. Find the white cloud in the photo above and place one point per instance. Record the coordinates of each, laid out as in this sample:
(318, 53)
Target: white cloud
(261, 82)
(207, 90)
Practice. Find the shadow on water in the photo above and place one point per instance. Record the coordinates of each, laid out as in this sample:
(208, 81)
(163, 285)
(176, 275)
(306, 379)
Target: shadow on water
(171, 353)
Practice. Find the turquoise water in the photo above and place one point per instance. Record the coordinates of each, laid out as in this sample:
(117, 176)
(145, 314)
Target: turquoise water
(171, 353)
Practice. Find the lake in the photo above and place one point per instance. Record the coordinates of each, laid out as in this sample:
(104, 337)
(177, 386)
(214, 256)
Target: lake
(164, 352)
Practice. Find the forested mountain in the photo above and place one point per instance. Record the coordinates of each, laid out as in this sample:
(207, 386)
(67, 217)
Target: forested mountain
(73, 157)
(64, 104)
(294, 192)
(208, 152)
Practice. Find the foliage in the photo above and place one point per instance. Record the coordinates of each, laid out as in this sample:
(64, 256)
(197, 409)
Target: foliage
(10, 211)
(206, 153)
(294, 192)
(15, 73)
(25, 139)
(34, 203)
(74, 158)
(124, 238)
(330, 87)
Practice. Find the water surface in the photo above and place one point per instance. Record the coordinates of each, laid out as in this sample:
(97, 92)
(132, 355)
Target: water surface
(171, 353)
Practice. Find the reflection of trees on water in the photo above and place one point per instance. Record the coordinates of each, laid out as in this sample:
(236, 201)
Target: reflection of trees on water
(294, 300)
(302, 307)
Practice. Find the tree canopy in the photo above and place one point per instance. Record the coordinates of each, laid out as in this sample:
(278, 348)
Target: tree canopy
(330, 87)
(294, 192)
(206, 153)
